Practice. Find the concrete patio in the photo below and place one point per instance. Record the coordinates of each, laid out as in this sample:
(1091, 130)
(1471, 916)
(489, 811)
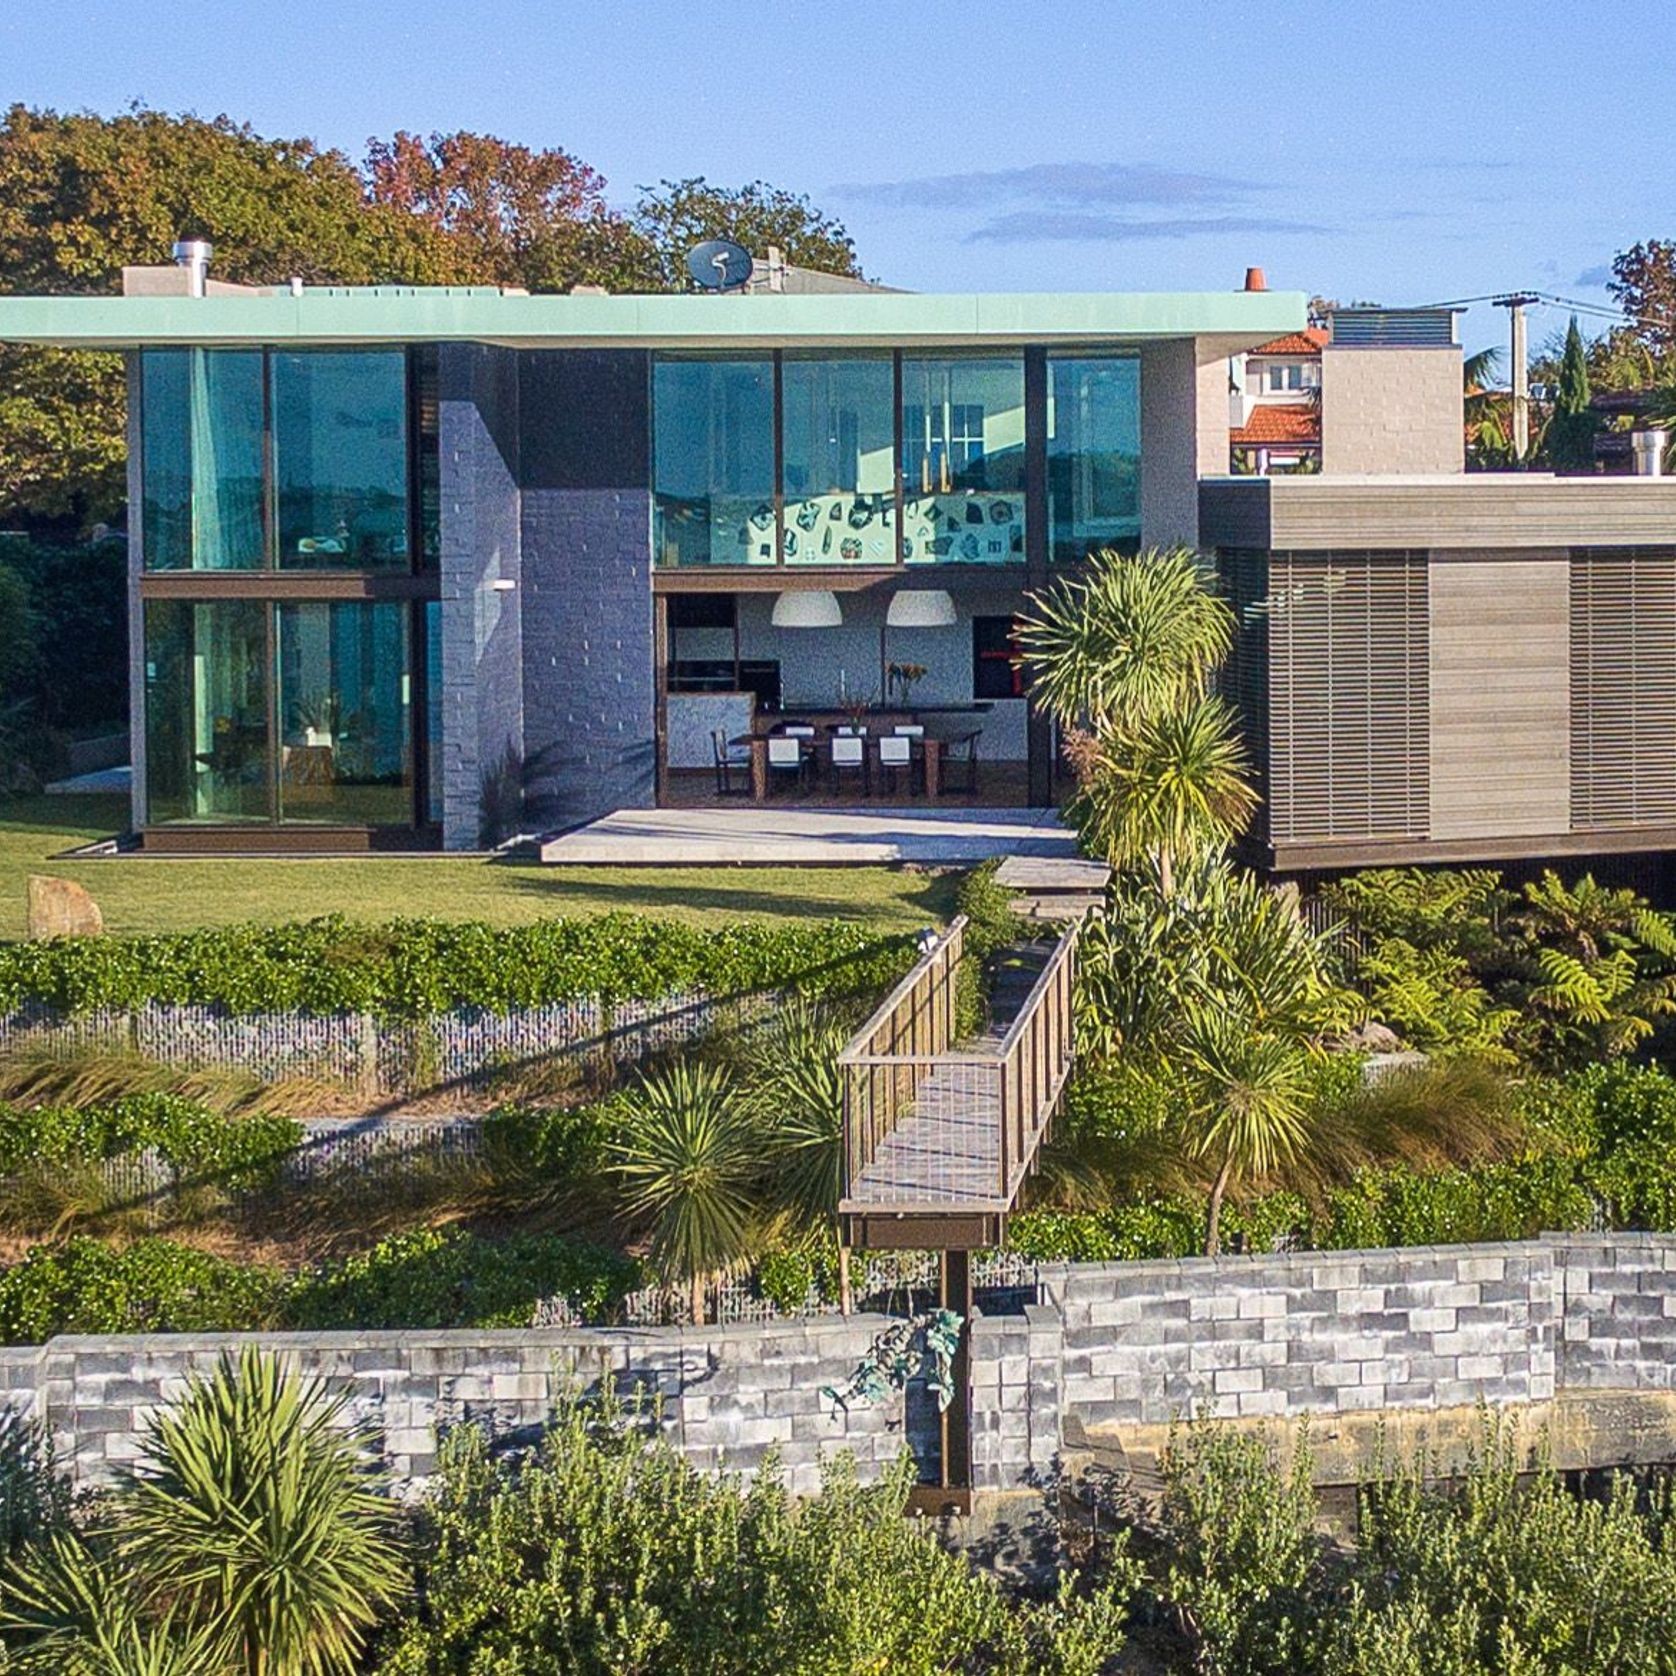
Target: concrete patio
(766, 836)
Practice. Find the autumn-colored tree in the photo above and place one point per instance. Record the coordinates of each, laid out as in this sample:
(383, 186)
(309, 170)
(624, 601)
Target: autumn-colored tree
(515, 216)
(82, 196)
(1643, 284)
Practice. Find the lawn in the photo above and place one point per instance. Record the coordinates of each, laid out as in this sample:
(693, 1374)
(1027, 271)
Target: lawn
(138, 893)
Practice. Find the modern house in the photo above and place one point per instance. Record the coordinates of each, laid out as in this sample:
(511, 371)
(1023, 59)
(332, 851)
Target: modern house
(413, 567)
(419, 567)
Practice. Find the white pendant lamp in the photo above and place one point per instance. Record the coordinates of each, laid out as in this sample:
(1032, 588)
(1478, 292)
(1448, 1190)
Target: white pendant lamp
(807, 608)
(920, 608)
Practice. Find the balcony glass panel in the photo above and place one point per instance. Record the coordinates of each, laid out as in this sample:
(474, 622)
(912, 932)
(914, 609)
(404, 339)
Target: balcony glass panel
(341, 459)
(206, 684)
(963, 460)
(201, 459)
(1094, 455)
(713, 461)
(344, 714)
(838, 444)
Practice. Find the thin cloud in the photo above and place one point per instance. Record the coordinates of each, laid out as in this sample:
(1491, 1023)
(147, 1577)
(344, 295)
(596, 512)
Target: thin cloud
(1056, 184)
(1032, 226)
(1594, 276)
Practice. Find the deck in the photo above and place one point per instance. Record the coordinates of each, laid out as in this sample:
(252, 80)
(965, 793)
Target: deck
(940, 1135)
(793, 835)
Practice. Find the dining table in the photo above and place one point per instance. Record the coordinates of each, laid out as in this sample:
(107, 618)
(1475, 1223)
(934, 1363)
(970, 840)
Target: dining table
(930, 747)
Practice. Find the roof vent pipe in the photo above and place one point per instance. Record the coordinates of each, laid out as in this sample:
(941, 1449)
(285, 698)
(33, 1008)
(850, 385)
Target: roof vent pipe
(1254, 280)
(194, 255)
(1648, 450)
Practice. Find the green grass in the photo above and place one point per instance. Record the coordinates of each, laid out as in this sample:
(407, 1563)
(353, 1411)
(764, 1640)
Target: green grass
(139, 894)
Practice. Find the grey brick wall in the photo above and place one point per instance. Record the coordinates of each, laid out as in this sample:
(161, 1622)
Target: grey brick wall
(1307, 1332)
(482, 640)
(589, 682)
(1109, 1345)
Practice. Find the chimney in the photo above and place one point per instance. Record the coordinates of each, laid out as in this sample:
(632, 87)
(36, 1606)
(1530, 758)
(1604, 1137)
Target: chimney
(194, 255)
(1254, 280)
(1648, 450)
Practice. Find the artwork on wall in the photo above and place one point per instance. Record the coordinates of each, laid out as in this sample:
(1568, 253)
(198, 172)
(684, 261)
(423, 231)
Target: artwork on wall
(971, 528)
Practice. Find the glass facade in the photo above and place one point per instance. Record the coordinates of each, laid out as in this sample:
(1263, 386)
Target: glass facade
(295, 459)
(278, 700)
(713, 461)
(963, 459)
(202, 446)
(294, 712)
(878, 459)
(838, 460)
(209, 756)
(1094, 455)
(341, 458)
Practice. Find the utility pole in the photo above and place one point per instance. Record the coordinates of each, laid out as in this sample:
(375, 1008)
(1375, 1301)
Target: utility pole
(1518, 356)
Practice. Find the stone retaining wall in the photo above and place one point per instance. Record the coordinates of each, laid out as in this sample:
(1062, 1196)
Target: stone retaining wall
(1108, 1346)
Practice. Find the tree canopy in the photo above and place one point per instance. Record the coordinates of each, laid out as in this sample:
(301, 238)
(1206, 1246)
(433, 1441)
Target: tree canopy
(83, 195)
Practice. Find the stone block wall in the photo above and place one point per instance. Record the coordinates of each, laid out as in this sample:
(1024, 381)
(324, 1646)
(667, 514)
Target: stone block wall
(728, 1395)
(1306, 1332)
(1618, 1320)
(1108, 1346)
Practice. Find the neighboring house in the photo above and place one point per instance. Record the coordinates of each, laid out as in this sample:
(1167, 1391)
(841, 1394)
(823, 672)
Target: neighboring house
(1276, 404)
(412, 567)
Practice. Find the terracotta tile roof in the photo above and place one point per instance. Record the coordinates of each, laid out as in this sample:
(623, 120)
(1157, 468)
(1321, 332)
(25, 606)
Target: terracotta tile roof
(1310, 341)
(1277, 424)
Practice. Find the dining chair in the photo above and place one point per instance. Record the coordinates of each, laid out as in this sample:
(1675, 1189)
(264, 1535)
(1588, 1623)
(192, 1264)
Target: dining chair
(727, 758)
(786, 760)
(845, 731)
(849, 752)
(960, 754)
(798, 730)
(909, 730)
(896, 752)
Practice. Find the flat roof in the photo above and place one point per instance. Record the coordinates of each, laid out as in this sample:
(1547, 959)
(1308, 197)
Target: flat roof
(1486, 511)
(393, 314)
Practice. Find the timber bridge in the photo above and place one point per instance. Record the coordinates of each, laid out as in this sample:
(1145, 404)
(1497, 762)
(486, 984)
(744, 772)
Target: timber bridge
(940, 1134)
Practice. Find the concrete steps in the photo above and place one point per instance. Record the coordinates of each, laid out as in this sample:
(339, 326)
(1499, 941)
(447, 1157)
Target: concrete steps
(1054, 887)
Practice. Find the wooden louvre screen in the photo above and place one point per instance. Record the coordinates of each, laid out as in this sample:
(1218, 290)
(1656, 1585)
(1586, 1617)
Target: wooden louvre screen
(1243, 573)
(1349, 732)
(1623, 688)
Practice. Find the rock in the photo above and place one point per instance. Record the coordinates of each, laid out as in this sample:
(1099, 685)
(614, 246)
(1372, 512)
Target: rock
(1372, 1037)
(61, 908)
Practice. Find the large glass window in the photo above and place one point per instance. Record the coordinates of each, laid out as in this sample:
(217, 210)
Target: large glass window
(340, 458)
(345, 738)
(963, 460)
(206, 680)
(1094, 455)
(713, 461)
(201, 458)
(838, 445)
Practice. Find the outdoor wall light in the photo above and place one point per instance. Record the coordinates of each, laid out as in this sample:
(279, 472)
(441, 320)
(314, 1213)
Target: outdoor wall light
(807, 608)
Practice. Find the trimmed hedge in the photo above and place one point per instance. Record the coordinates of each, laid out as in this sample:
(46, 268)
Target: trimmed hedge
(420, 1279)
(185, 1134)
(414, 968)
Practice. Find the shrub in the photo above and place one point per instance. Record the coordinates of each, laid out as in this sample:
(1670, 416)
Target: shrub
(414, 968)
(431, 1278)
(153, 1285)
(607, 1552)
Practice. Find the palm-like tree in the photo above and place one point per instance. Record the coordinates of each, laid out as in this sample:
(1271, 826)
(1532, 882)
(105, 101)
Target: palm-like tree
(255, 1513)
(688, 1157)
(1173, 786)
(1132, 639)
(797, 1090)
(1247, 1092)
(250, 1540)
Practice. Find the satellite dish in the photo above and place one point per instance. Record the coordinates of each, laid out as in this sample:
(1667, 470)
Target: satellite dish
(719, 264)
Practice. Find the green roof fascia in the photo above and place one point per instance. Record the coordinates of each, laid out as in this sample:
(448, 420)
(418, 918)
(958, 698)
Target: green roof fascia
(885, 319)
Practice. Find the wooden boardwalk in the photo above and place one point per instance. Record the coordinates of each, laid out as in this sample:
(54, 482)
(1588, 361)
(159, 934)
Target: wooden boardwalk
(945, 1151)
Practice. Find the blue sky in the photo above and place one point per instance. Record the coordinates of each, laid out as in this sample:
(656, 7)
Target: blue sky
(1400, 154)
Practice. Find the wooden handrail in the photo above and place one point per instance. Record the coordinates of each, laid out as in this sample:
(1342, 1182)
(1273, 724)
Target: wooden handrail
(909, 1037)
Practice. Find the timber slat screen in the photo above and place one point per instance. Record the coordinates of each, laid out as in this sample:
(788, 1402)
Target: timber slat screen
(938, 1131)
